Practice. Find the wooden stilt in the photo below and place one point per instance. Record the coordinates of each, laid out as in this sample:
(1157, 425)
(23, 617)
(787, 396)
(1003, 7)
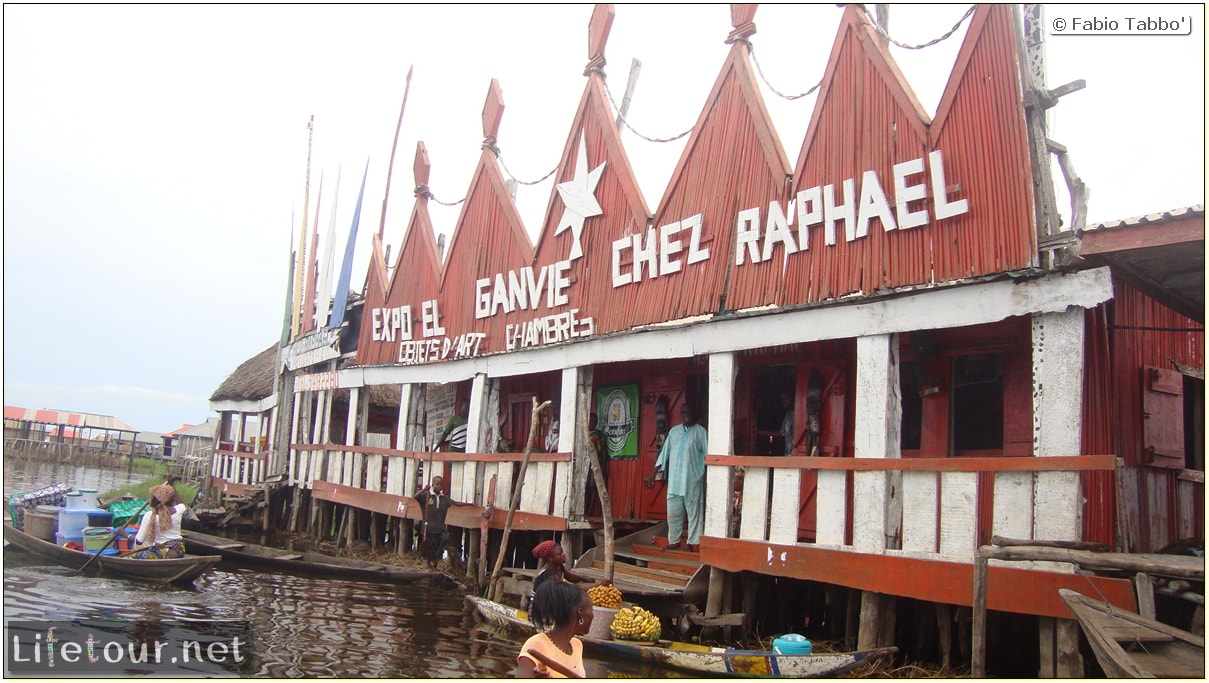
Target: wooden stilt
(751, 589)
(1049, 663)
(944, 632)
(852, 620)
(876, 620)
(887, 614)
(1070, 662)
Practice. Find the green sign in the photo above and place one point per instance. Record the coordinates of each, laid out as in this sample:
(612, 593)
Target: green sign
(617, 419)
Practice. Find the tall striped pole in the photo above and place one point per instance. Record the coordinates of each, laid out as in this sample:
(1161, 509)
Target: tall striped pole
(391, 165)
(300, 261)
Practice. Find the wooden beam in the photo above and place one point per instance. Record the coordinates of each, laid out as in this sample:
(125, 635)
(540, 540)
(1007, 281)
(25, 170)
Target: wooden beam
(1020, 591)
(1070, 463)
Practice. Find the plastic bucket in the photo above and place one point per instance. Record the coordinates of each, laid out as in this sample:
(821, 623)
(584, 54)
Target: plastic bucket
(792, 644)
(96, 537)
(47, 509)
(602, 619)
(76, 501)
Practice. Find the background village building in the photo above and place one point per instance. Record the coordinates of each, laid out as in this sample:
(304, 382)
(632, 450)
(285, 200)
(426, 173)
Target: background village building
(66, 434)
(957, 366)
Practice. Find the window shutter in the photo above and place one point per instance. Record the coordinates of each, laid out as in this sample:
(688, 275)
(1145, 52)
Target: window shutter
(1163, 418)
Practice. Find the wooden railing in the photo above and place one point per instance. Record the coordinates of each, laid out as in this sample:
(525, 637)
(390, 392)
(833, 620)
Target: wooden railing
(939, 499)
(467, 475)
(237, 470)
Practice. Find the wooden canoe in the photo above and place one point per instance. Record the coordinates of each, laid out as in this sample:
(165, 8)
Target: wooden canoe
(277, 559)
(701, 659)
(181, 570)
(1128, 645)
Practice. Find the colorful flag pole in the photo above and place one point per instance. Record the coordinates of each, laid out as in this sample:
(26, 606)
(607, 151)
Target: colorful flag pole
(325, 280)
(289, 284)
(340, 301)
(312, 266)
(300, 260)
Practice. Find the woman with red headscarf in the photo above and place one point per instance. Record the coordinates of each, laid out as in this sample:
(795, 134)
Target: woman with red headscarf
(553, 566)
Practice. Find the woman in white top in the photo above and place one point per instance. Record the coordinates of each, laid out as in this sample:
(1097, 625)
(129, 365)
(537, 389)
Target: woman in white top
(159, 534)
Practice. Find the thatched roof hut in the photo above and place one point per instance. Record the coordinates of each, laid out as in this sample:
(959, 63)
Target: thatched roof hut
(252, 381)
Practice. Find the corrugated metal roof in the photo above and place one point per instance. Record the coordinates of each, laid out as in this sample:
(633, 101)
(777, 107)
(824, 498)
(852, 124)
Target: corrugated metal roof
(1150, 218)
(1163, 254)
(59, 417)
(177, 431)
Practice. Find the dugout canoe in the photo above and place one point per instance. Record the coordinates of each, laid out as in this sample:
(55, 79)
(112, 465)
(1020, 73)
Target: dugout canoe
(180, 570)
(254, 556)
(700, 659)
(1128, 645)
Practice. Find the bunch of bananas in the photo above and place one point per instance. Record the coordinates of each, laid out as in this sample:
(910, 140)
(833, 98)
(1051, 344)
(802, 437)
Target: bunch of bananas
(605, 596)
(635, 623)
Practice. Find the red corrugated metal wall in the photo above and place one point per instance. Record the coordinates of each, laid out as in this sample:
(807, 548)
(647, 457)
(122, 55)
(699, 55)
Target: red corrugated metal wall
(1134, 349)
(376, 283)
(1099, 488)
(980, 127)
(866, 120)
(489, 239)
(733, 161)
(1142, 334)
(624, 212)
(414, 280)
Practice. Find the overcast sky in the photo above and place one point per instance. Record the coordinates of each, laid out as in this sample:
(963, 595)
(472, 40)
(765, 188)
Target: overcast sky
(155, 156)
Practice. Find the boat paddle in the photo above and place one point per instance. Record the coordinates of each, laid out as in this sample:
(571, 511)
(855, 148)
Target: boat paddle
(116, 530)
(550, 663)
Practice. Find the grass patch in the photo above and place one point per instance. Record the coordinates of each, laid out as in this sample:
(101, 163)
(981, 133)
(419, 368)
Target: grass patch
(143, 489)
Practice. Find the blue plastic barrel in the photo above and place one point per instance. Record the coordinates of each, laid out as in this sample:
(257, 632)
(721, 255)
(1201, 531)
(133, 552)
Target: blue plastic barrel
(792, 644)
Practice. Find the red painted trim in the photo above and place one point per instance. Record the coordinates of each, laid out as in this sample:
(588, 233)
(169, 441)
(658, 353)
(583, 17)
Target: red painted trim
(227, 487)
(1070, 463)
(1009, 589)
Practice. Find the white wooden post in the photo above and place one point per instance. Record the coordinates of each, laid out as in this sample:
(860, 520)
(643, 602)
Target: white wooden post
(877, 509)
(722, 370)
(568, 415)
(1057, 412)
(350, 424)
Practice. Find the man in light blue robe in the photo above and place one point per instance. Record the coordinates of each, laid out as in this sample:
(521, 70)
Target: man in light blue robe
(682, 459)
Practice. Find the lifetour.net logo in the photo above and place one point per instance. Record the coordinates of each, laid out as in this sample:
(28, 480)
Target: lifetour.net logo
(101, 648)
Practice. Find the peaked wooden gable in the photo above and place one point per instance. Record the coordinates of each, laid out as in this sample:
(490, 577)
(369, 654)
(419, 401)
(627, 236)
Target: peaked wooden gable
(416, 279)
(881, 198)
(866, 118)
(733, 161)
(895, 199)
(489, 240)
(623, 210)
(980, 125)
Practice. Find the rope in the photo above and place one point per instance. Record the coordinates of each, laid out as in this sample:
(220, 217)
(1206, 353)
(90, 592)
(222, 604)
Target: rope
(523, 182)
(751, 50)
(930, 43)
(617, 110)
(489, 143)
(423, 191)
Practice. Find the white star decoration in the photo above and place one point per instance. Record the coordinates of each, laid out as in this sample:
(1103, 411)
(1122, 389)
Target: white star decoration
(579, 199)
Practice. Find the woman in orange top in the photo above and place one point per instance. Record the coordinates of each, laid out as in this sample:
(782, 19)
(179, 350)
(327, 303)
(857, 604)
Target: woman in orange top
(562, 611)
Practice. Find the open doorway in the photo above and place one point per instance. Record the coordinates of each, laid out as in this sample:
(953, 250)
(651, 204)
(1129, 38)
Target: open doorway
(773, 399)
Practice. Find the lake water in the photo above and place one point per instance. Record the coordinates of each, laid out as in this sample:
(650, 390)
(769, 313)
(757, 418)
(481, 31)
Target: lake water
(296, 626)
